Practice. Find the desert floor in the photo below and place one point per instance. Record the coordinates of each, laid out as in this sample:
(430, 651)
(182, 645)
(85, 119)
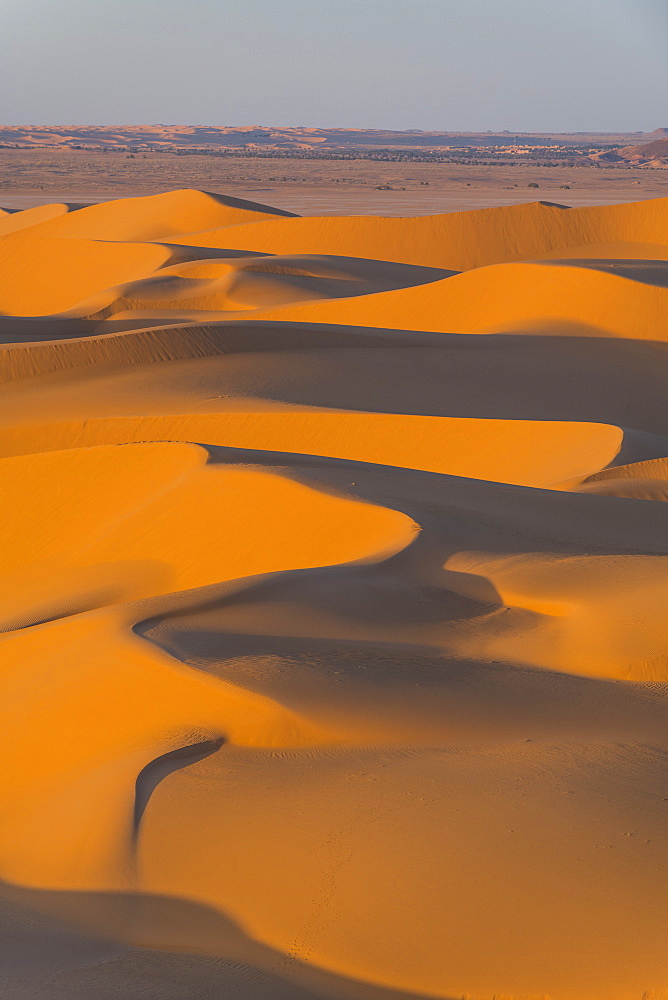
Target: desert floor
(313, 187)
(334, 654)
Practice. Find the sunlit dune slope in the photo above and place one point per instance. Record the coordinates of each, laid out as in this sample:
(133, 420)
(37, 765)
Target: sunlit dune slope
(458, 240)
(612, 251)
(143, 519)
(523, 452)
(334, 658)
(461, 808)
(548, 298)
(155, 217)
(11, 222)
(44, 276)
(239, 284)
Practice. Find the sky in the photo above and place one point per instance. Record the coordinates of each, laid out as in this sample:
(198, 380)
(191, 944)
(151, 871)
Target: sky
(468, 65)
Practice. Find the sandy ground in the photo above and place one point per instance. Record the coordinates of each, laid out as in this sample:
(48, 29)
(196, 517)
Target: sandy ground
(333, 601)
(314, 187)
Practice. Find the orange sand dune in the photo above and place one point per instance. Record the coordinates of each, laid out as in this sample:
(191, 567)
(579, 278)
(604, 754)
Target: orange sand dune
(11, 222)
(458, 240)
(334, 647)
(155, 217)
(627, 300)
(235, 285)
(39, 277)
(524, 452)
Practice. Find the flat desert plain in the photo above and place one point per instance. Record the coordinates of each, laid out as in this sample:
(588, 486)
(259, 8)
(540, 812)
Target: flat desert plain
(38, 176)
(334, 651)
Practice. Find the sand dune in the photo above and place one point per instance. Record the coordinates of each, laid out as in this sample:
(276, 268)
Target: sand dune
(43, 276)
(333, 604)
(574, 297)
(155, 217)
(458, 241)
(11, 222)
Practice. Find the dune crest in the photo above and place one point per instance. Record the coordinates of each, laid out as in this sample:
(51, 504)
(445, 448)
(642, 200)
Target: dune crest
(332, 618)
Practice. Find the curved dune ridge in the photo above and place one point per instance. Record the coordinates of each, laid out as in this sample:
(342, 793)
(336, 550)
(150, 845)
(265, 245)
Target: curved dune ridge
(334, 646)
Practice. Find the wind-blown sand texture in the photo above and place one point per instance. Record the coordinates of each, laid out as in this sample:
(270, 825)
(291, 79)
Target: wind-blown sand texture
(334, 653)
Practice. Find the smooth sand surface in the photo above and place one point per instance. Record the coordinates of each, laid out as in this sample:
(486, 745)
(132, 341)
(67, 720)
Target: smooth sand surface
(334, 645)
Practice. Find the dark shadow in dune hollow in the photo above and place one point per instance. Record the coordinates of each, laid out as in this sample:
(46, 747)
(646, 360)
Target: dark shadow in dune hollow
(78, 945)
(527, 376)
(150, 776)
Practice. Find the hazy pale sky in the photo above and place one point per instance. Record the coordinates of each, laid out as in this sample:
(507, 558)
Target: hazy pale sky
(570, 65)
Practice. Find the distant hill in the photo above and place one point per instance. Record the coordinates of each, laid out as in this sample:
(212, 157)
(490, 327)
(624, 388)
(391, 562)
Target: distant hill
(651, 154)
(251, 138)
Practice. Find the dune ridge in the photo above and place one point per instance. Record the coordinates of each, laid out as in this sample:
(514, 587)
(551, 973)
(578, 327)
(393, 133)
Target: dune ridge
(334, 648)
